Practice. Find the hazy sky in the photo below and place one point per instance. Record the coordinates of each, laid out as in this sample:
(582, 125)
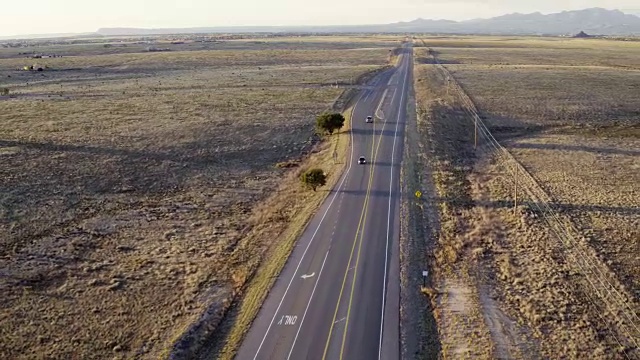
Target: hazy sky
(61, 16)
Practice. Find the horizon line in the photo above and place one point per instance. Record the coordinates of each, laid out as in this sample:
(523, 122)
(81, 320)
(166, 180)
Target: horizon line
(96, 32)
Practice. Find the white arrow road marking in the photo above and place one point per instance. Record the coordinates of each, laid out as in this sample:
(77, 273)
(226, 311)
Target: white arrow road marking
(343, 319)
(384, 95)
(308, 276)
(286, 291)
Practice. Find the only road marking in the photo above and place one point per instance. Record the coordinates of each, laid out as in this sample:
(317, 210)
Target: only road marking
(288, 320)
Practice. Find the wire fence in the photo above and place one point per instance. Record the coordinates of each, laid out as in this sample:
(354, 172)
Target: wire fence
(614, 306)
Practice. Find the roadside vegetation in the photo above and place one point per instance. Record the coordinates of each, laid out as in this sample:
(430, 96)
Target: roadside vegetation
(314, 178)
(447, 150)
(327, 123)
(142, 190)
(522, 279)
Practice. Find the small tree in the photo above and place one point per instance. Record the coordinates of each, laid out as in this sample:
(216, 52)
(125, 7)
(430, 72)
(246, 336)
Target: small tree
(314, 178)
(4, 91)
(329, 122)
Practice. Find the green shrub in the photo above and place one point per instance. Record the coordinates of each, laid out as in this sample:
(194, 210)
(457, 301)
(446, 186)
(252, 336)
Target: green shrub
(329, 122)
(314, 178)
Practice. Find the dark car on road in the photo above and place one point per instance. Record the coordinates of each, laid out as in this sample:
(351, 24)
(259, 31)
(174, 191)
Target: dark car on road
(361, 160)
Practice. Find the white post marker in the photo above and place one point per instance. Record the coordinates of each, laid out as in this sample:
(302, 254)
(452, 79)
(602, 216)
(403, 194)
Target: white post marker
(425, 273)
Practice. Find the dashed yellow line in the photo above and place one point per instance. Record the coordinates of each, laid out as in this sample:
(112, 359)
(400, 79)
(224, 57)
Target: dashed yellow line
(355, 274)
(361, 223)
(355, 241)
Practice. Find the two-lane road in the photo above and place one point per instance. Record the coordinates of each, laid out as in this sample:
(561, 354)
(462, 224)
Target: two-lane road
(338, 295)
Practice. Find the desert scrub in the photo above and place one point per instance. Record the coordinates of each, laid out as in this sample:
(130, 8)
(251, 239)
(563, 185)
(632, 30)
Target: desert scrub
(567, 100)
(132, 183)
(447, 140)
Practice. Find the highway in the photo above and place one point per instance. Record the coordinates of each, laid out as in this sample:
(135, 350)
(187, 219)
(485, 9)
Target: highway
(338, 295)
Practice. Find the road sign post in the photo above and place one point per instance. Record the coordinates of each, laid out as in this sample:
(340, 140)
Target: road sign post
(425, 273)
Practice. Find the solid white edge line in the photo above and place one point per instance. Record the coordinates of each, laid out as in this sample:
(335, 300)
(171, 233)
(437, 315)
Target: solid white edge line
(307, 308)
(390, 79)
(371, 92)
(384, 94)
(384, 124)
(346, 174)
(368, 94)
(386, 254)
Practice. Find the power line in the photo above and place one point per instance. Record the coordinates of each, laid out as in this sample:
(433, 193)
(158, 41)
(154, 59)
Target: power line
(594, 272)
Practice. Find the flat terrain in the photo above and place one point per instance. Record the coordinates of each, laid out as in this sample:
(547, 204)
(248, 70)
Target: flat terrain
(540, 281)
(590, 111)
(130, 182)
(338, 296)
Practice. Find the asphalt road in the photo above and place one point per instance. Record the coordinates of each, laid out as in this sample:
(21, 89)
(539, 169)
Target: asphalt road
(338, 295)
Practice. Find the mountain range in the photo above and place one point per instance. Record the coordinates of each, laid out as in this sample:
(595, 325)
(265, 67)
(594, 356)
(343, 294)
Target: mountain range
(593, 21)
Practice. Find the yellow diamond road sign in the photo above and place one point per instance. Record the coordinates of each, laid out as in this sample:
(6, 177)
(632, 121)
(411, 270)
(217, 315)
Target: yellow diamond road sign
(418, 194)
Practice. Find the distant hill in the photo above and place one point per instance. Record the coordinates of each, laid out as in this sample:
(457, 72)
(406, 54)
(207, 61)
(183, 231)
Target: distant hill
(635, 12)
(47, 36)
(596, 21)
(582, 35)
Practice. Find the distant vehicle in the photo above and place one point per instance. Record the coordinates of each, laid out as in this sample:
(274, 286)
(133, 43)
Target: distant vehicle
(361, 160)
(369, 119)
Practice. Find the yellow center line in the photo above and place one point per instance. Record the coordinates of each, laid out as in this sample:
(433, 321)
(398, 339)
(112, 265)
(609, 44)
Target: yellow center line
(374, 154)
(355, 274)
(355, 241)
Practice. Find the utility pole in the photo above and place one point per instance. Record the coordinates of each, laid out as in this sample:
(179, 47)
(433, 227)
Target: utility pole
(475, 132)
(515, 189)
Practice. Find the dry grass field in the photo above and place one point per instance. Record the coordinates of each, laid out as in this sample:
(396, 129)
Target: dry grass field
(133, 185)
(187, 42)
(567, 111)
(592, 128)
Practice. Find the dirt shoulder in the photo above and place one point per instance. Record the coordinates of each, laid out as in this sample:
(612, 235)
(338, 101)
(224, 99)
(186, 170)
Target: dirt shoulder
(419, 226)
(445, 149)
